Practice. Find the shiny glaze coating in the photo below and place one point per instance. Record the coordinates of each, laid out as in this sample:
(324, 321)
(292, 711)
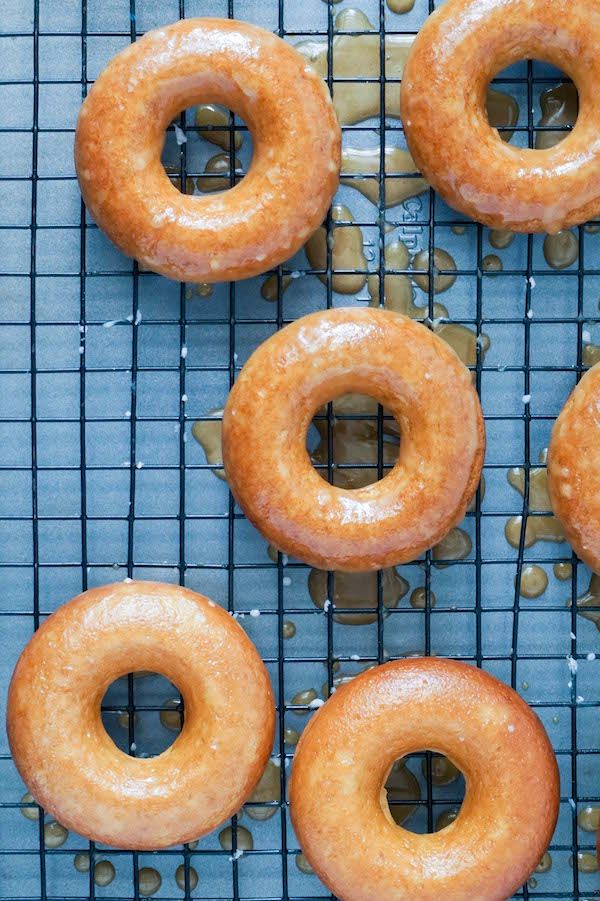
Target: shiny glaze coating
(338, 801)
(574, 468)
(260, 222)
(64, 754)
(416, 376)
(459, 49)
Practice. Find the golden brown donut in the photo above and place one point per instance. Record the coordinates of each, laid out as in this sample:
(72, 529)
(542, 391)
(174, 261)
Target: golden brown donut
(338, 800)
(574, 468)
(416, 376)
(460, 48)
(67, 759)
(260, 222)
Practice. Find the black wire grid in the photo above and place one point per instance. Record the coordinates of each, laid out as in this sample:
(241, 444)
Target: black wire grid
(32, 20)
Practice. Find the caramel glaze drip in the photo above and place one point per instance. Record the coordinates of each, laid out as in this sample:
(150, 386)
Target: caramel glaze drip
(560, 105)
(538, 528)
(590, 355)
(590, 598)
(217, 174)
(456, 545)
(442, 260)
(534, 581)
(358, 56)
(401, 785)
(209, 435)
(400, 6)
(209, 116)
(357, 590)
(268, 789)
(561, 249)
(563, 571)
(347, 252)
(398, 296)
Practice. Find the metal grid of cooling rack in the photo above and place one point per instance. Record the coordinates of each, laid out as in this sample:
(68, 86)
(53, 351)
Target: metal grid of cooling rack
(99, 480)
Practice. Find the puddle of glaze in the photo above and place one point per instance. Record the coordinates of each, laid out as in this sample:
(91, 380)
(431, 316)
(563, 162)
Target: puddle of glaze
(301, 861)
(303, 698)
(398, 289)
(123, 720)
(590, 355)
(81, 862)
(545, 863)
(456, 545)
(563, 571)
(587, 862)
(104, 873)
(269, 288)
(590, 598)
(538, 528)
(217, 175)
(441, 260)
(418, 599)
(268, 789)
(358, 590)
(204, 290)
(491, 263)
(353, 441)
(288, 629)
(180, 877)
(588, 819)
(561, 249)
(356, 404)
(401, 785)
(358, 56)
(209, 114)
(539, 499)
(559, 107)
(30, 813)
(149, 881)
(397, 163)
(398, 296)
(534, 581)
(500, 238)
(55, 834)
(463, 341)
(172, 718)
(443, 771)
(347, 252)
(175, 179)
(291, 736)
(446, 817)
(245, 841)
(209, 435)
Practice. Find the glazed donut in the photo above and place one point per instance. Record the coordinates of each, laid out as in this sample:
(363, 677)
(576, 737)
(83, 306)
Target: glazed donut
(260, 222)
(408, 369)
(67, 759)
(460, 48)
(339, 805)
(574, 469)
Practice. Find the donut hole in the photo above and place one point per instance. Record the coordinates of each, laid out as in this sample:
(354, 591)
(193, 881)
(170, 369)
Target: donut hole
(555, 103)
(142, 713)
(352, 440)
(424, 792)
(207, 150)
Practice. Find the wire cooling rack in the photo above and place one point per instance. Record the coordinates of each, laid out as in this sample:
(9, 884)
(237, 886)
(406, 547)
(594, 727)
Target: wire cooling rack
(104, 368)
